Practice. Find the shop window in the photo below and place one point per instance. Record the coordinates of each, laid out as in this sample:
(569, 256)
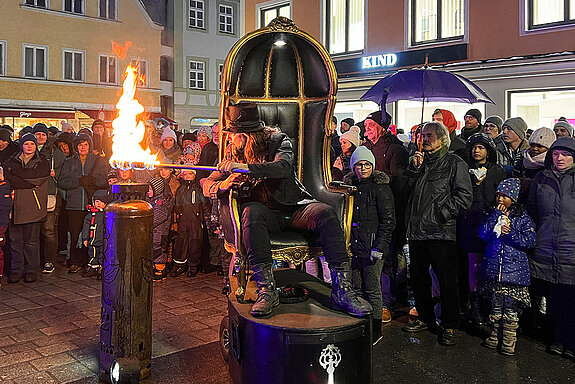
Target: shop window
(73, 65)
(197, 75)
(142, 71)
(226, 19)
(550, 13)
(108, 9)
(2, 58)
(541, 108)
(196, 14)
(437, 20)
(108, 69)
(345, 26)
(37, 3)
(35, 61)
(269, 13)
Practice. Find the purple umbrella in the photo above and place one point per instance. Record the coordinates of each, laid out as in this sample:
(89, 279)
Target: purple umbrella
(425, 84)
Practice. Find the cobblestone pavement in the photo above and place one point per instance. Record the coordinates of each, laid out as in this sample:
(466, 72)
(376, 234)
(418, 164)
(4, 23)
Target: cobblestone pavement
(49, 330)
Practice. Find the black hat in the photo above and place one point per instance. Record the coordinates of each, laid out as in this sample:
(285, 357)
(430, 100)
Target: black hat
(5, 135)
(98, 122)
(475, 113)
(189, 136)
(103, 196)
(40, 127)
(54, 130)
(377, 116)
(242, 117)
(8, 127)
(487, 142)
(349, 121)
(28, 137)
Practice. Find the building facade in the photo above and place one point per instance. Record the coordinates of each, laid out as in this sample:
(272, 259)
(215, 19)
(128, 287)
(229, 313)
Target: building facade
(57, 61)
(204, 32)
(520, 53)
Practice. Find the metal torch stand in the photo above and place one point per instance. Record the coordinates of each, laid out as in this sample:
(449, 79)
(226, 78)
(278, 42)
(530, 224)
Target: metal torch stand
(126, 323)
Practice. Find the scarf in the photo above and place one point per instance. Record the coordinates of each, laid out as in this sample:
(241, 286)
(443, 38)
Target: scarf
(533, 162)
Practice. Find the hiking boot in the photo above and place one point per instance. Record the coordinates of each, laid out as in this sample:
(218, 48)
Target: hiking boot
(268, 297)
(385, 315)
(447, 337)
(416, 326)
(179, 270)
(48, 268)
(343, 296)
(30, 277)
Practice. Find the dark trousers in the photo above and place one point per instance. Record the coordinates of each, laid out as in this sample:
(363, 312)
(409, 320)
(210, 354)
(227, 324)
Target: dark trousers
(366, 278)
(442, 256)
(561, 311)
(78, 255)
(49, 239)
(62, 218)
(218, 253)
(187, 249)
(95, 255)
(258, 221)
(25, 244)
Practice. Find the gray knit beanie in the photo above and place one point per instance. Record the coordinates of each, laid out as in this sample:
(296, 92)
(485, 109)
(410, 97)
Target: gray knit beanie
(562, 122)
(362, 154)
(517, 125)
(494, 119)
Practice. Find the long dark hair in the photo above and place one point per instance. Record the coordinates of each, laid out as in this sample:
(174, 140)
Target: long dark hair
(256, 149)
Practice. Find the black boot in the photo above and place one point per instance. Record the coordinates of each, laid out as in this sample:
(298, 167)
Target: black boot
(475, 317)
(375, 331)
(268, 297)
(343, 296)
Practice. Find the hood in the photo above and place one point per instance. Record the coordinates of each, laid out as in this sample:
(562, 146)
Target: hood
(567, 143)
(449, 120)
(487, 141)
(82, 137)
(379, 177)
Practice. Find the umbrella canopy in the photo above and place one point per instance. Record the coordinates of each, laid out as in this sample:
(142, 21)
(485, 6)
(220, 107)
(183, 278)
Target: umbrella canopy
(425, 84)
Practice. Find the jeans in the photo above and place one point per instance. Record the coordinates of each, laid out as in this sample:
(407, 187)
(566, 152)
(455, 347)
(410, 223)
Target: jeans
(25, 244)
(366, 278)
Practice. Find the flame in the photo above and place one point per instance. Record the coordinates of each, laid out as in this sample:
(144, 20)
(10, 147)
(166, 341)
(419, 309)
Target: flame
(120, 49)
(129, 130)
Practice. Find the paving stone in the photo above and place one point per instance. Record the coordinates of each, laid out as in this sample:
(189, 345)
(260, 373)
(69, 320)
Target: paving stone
(6, 340)
(55, 339)
(182, 310)
(19, 357)
(19, 347)
(212, 320)
(58, 329)
(70, 372)
(48, 362)
(16, 370)
(56, 348)
(208, 335)
(26, 336)
(37, 378)
(13, 322)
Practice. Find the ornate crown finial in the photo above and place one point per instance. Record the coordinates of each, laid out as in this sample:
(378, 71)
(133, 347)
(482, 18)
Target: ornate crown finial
(281, 23)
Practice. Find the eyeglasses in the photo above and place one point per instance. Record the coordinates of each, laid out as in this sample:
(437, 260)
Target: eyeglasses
(466, 117)
(363, 165)
(489, 127)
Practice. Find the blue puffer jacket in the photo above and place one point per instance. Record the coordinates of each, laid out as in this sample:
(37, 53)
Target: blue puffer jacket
(505, 259)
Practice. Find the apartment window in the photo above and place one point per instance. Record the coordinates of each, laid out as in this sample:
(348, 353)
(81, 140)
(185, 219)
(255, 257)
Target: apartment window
(2, 58)
(108, 69)
(437, 20)
(345, 26)
(270, 13)
(226, 19)
(142, 71)
(73, 65)
(197, 14)
(108, 9)
(74, 6)
(37, 3)
(165, 71)
(221, 70)
(549, 13)
(35, 61)
(197, 75)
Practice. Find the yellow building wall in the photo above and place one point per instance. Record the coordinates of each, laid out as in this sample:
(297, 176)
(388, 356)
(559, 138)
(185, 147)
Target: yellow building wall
(58, 31)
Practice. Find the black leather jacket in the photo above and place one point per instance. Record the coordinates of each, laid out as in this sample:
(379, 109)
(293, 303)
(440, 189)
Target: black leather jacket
(439, 190)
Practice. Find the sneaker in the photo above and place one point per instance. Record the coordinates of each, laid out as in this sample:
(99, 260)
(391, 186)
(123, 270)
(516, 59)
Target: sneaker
(160, 274)
(75, 269)
(568, 354)
(48, 268)
(179, 270)
(91, 271)
(447, 337)
(30, 277)
(385, 315)
(555, 349)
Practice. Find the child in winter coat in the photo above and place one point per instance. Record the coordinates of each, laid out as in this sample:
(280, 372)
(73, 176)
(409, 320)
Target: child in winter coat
(93, 233)
(5, 208)
(373, 223)
(162, 203)
(509, 233)
(189, 212)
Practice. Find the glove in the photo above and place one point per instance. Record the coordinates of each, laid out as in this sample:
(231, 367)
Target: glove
(375, 255)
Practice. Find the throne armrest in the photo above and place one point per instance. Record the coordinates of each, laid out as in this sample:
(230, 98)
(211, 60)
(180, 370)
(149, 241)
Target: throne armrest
(339, 186)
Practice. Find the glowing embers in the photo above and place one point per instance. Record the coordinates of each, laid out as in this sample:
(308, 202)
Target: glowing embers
(129, 129)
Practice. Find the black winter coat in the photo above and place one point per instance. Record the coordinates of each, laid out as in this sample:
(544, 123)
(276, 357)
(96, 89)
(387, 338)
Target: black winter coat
(482, 203)
(94, 233)
(209, 157)
(80, 181)
(391, 156)
(190, 207)
(440, 190)
(373, 219)
(5, 204)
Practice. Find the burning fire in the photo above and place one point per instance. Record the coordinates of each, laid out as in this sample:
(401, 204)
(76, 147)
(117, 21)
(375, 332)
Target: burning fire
(128, 129)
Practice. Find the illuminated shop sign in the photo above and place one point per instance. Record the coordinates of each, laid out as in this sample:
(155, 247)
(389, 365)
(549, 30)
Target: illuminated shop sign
(379, 61)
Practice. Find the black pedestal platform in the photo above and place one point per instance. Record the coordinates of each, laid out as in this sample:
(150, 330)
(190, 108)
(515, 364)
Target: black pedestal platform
(299, 343)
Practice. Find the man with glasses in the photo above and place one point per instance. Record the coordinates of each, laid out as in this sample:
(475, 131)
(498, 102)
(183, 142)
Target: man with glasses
(492, 126)
(473, 125)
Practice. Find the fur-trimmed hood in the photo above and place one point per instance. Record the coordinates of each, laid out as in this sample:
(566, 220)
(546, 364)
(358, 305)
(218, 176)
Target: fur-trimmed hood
(379, 177)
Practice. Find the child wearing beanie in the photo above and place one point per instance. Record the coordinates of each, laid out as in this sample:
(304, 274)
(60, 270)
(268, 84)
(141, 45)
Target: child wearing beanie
(509, 232)
(373, 222)
(349, 142)
(93, 233)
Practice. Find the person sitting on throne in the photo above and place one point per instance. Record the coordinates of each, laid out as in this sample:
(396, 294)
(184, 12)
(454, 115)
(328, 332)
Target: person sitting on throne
(278, 201)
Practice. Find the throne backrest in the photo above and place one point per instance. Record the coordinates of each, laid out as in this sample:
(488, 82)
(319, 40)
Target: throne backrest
(291, 77)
